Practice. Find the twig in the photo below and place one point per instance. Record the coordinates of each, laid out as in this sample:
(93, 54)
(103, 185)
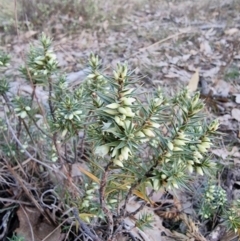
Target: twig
(2, 199)
(26, 152)
(84, 227)
(40, 129)
(140, 207)
(104, 207)
(157, 43)
(123, 212)
(50, 99)
(60, 225)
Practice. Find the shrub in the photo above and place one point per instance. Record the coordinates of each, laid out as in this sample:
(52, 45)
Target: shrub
(128, 140)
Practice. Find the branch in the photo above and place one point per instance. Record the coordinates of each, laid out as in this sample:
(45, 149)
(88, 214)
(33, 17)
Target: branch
(84, 227)
(103, 205)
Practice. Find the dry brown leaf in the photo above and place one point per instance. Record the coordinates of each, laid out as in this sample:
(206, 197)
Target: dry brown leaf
(193, 83)
(148, 234)
(231, 31)
(221, 87)
(223, 153)
(236, 114)
(205, 48)
(30, 34)
(32, 227)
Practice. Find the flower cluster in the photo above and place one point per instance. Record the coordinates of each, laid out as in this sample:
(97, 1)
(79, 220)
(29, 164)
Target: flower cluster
(123, 128)
(232, 216)
(42, 62)
(187, 146)
(213, 200)
(21, 106)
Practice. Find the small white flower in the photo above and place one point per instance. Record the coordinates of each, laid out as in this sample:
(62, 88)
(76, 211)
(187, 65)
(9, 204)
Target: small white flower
(190, 168)
(170, 146)
(125, 152)
(214, 125)
(197, 154)
(175, 185)
(23, 114)
(157, 102)
(129, 112)
(155, 184)
(114, 152)
(64, 132)
(113, 106)
(201, 148)
(148, 132)
(206, 144)
(168, 154)
(127, 101)
(27, 108)
(118, 163)
(127, 124)
(154, 124)
(122, 111)
(176, 148)
(110, 111)
(163, 176)
(179, 142)
(199, 171)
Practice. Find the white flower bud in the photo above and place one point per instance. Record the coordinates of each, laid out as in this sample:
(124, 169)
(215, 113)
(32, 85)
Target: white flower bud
(127, 101)
(148, 132)
(190, 168)
(64, 132)
(190, 162)
(122, 111)
(206, 144)
(140, 134)
(197, 155)
(176, 148)
(155, 184)
(127, 124)
(118, 163)
(179, 142)
(168, 154)
(129, 112)
(115, 74)
(170, 146)
(113, 106)
(206, 139)
(201, 148)
(181, 135)
(163, 176)
(124, 152)
(199, 171)
(91, 76)
(23, 114)
(154, 124)
(110, 111)
(114, 152)
(213, 126)
(175, 185)
(157, 102)
(127, 92)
